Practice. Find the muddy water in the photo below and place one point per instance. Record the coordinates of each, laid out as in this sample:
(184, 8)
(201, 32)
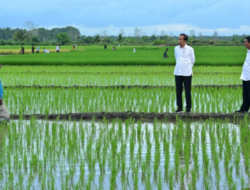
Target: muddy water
(64, 155)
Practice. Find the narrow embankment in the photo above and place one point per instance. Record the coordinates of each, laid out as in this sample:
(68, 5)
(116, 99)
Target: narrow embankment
(122, 86)
(107, 73)
(133, 115)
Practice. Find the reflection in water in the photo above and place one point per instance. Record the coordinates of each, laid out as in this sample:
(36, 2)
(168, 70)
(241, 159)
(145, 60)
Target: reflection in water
(117, 155)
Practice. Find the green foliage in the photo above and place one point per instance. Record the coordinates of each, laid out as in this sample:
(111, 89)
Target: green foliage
(35, 39)
(159, 42)
(119, 37)
(63, 38)
(21, 35)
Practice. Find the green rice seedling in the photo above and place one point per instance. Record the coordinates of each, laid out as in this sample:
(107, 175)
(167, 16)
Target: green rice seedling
(159, 184)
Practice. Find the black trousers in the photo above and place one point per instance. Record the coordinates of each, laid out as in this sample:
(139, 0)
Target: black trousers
(246, 96)
(187, 80)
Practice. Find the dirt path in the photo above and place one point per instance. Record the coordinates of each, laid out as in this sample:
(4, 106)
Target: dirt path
(107, 73)
(123, 86)
(133, 115)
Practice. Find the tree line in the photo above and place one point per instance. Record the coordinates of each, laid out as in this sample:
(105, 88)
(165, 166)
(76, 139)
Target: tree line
(72, 35)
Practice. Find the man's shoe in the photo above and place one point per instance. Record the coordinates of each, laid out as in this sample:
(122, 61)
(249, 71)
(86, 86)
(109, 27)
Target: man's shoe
(179, 111)
(188, 111)
(240, 111)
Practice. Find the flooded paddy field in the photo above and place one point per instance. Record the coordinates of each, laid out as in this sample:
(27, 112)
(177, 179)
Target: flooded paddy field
(116, 154)
(97, 128)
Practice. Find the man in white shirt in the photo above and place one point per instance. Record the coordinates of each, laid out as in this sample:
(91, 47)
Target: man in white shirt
(185, 59)
(245, 76)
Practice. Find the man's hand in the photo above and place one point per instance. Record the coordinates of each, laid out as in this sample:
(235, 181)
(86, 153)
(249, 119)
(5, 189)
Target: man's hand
(1, 101)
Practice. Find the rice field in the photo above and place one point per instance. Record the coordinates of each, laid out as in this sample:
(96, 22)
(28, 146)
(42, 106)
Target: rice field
(122, 153)
(96, 55)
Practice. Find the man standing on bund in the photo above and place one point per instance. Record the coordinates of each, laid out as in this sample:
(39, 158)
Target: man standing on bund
(185, 58)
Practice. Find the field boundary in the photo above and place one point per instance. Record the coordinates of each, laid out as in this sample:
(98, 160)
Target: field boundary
(106, 73)
(133, 115)
(119, 86)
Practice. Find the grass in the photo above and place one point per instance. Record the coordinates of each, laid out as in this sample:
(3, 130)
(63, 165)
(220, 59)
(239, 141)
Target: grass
(208, 155)
(96, 55)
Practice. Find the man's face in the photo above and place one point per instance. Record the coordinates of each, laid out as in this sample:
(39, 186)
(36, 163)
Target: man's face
(247, 44)
(181, 41)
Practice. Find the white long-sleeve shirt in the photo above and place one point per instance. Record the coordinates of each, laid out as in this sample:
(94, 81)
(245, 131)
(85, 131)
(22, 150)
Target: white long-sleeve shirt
(185, 59)
(57, 48)
(246, 68)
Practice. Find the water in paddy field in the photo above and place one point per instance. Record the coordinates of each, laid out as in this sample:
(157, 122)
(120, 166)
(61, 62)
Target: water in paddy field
(123, 155)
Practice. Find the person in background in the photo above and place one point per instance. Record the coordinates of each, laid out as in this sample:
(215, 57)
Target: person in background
(44, 50)
(57, 48)
(185, 59)
(22, 50)
(105, 46)
(114, 48)
(33, 49)
(134, 50)
(245, 77)
(37, 49)
(4, 114)
(165, 55)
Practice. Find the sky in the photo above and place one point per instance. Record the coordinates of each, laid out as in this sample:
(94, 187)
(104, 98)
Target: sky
(92, 17)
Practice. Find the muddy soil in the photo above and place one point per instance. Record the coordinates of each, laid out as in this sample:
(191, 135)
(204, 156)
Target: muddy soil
(122, 86)
(133, 115)
(97, 73)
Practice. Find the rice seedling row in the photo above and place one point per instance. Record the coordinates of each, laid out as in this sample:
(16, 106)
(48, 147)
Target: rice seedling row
(157, 100)
(114, 69)
(44, 79)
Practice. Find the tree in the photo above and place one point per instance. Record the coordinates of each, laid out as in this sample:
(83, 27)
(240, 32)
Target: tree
(137, 32)
(30, 26)
(97, 38)
(21, 35)
(122, 32)
(215, 35)
(153, 37)
(120, 37)
(192, 34)
(34, 39)
(200, 35)
(63, 38)
(145, 38)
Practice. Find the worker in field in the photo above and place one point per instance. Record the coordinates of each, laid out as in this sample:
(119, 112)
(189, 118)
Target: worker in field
(57, 48)
(245, 77)
(37, 49)
(4, 114)
(185, 59)
(165, 55)
(33, 49)
(22, 50)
